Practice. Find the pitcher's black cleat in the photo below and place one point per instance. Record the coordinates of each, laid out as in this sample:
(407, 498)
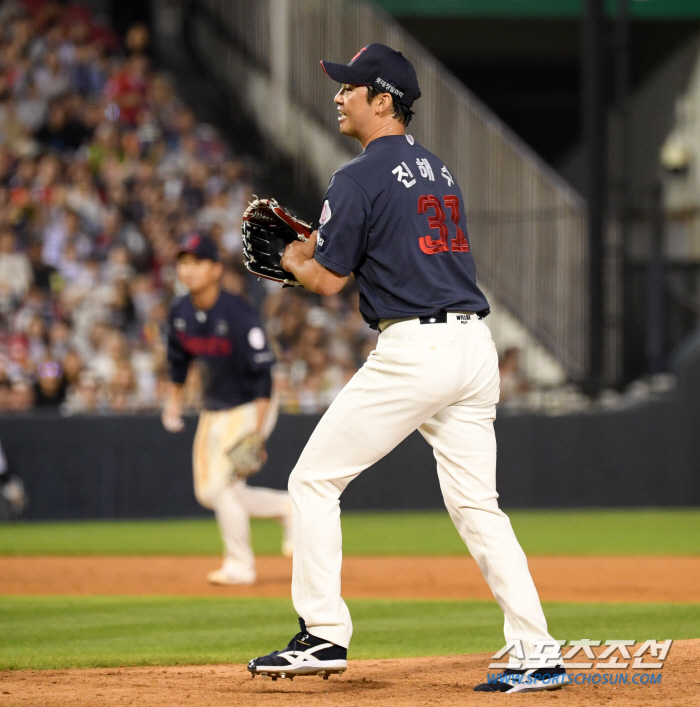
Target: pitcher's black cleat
(530, 680)
(305, 655)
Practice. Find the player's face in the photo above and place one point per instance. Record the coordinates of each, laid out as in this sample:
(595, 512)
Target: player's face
(354, 112)
(196, 274)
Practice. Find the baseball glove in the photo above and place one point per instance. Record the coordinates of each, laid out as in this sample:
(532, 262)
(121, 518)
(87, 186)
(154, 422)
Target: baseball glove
(248, 455)
(267, 230)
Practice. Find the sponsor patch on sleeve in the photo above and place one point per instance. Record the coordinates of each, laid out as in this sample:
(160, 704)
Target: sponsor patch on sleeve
(325, 213)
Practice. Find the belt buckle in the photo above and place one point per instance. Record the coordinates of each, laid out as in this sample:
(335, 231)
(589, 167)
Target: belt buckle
(437, 318)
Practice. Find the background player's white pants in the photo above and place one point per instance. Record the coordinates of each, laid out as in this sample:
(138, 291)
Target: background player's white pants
(233, 501)
(442, 379)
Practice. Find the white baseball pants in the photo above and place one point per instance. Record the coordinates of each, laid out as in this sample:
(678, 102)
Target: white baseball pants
(441, 379)
(233, 501)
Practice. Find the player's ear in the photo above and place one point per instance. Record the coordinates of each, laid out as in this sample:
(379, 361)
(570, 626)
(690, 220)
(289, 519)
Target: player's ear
(384, 103)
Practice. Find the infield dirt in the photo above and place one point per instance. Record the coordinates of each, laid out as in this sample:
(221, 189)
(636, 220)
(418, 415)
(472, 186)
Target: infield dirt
(439, 682)
(578, 579)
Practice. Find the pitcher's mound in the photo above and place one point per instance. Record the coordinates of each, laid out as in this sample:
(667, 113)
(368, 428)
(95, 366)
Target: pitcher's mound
(415, 682)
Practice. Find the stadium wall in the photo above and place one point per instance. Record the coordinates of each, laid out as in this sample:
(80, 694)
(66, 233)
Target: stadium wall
(129, 467)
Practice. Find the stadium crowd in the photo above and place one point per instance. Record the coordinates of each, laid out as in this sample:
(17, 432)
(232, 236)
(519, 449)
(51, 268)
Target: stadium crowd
(103, 172)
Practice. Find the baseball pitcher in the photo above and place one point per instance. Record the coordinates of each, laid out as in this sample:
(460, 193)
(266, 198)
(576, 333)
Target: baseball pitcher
(395, 218)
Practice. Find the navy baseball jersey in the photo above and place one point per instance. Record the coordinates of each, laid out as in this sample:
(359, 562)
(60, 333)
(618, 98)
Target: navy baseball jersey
(394, 216)
(230, 345)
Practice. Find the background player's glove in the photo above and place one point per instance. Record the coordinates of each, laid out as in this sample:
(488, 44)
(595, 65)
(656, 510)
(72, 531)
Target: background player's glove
(248, 455)
(267, 230)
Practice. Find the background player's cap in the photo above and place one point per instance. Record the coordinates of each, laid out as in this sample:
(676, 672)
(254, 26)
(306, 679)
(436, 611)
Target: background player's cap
(201, 246)
(379, 66)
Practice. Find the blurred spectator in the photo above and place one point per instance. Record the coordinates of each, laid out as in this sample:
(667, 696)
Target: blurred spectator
(122, 387)
(60, 132)
(31, 108)
(72, 367)
(88, 76)
(127, 89)
(42, 272)
(84, 396)
(21, 397)
(137, 38)
(61, 234)
(50, 388)
(50, 77)
(15, 269)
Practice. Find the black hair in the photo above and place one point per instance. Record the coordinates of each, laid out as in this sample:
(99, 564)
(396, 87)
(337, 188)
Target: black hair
(399, 111)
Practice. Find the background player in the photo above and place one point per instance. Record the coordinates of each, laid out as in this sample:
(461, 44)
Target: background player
(394, 216)
(223, 333)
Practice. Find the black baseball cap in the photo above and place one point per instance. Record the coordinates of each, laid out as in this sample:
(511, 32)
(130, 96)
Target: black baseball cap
(202, 247)
(379, 66)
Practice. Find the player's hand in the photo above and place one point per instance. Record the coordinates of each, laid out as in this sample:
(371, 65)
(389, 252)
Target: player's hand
(297, 251)
(172, 419)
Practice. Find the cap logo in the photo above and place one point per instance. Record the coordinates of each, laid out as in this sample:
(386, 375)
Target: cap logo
(364, 49)
(388, 87)
(193, 242)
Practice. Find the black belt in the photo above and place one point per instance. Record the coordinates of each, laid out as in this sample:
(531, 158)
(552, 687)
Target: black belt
(441, 317)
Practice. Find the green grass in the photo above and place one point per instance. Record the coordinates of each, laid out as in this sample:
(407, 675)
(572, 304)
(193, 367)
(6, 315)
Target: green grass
(63, 632)
(570, 532)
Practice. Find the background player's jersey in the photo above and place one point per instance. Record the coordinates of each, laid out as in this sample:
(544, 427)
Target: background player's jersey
(394, 216)
(230, 345)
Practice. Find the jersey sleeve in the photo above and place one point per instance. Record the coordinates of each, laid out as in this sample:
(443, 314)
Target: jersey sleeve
(178, 359)
(344, 222)
(256, 351)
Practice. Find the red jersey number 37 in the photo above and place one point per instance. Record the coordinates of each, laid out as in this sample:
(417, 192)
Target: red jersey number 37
(428, 203)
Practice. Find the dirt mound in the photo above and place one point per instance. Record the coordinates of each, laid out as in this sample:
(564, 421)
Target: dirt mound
(584, 579)
(381, 683)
